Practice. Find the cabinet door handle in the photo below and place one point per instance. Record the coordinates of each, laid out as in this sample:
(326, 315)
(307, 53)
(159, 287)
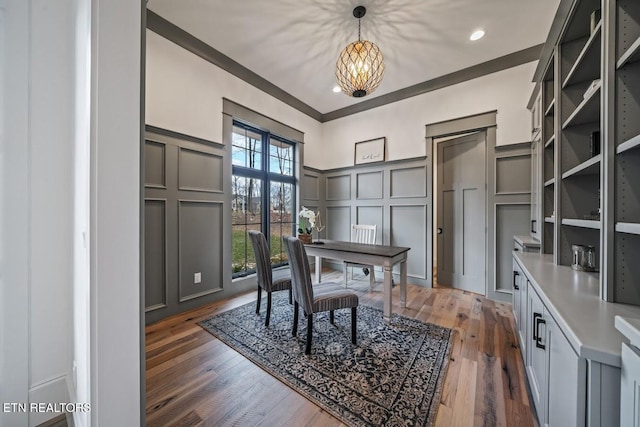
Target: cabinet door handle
(515, 277)
(533, 225)
(536, 316)
(537, 322)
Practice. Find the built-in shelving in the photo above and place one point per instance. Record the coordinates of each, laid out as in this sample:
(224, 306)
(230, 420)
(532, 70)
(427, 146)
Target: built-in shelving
(590, 167)
(550, 141)
(552, 181)
(587, 65)
(550, 109)
(587, 111)
(629, 145)
(550, 219)
(628, 227)
(631, 55)
(582, 223)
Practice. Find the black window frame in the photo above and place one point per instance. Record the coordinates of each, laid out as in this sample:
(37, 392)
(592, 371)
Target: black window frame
(266, 177)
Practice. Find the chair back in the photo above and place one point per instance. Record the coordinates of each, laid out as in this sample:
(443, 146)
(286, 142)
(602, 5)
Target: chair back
(263, 262)
(301, 285)
(361, 233)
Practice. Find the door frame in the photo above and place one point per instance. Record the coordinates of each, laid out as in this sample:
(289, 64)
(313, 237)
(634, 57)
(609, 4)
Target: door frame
(486, 121)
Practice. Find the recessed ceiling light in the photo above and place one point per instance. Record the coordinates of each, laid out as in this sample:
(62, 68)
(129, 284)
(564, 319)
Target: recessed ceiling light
(477, 35)
(337, 89)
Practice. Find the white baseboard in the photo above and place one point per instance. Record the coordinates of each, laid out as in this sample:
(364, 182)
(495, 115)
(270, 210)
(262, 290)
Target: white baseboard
(51, 391)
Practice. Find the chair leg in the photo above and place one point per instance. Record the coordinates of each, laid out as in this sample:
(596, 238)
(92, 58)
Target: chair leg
(309, 333)
(372, 277)
(259, 299)
(295, 319)
(266, 321)
(354, 318)
(344, 277)
(290, 297)
(332, 318)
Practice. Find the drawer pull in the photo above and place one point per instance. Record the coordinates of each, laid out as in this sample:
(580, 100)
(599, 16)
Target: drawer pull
(537, 321)
(515, 284)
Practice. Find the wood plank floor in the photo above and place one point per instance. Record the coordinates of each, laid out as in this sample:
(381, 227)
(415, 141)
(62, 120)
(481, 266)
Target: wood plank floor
(193, 379)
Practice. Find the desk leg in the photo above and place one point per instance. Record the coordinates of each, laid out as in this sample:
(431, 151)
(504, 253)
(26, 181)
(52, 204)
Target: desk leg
(387, 294)
(403, 284)
(318, 269)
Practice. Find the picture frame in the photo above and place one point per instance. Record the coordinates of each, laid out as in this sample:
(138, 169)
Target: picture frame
(370, 151)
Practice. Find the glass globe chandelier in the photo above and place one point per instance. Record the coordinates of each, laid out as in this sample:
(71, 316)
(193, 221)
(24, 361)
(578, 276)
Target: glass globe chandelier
(360, 66)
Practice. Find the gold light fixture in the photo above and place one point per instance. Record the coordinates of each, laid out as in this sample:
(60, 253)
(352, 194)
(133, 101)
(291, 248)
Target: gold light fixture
(360, 66)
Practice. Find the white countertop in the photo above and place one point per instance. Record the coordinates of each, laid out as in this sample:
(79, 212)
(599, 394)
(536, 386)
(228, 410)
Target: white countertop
(529, 241)
(572, 298)
(630, 328)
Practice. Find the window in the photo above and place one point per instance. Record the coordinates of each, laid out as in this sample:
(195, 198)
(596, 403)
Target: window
(263, 194)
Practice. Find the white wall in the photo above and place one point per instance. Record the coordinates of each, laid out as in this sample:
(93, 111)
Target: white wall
(184, 94)
(403, 123)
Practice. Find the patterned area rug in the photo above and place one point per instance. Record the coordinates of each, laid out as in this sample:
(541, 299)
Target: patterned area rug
(392, 377)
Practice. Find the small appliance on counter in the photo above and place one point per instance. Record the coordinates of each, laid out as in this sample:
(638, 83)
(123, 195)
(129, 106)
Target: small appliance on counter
(584, 258)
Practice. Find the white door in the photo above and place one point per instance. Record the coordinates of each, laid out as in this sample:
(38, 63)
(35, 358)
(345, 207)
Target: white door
(461, 212)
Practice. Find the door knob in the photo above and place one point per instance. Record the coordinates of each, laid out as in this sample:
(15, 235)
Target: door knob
(439, 230)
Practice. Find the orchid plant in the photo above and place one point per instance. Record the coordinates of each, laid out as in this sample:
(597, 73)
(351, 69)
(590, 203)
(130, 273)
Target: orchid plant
(307, 220)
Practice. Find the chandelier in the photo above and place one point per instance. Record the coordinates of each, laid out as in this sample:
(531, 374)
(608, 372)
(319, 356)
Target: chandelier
(360, 66)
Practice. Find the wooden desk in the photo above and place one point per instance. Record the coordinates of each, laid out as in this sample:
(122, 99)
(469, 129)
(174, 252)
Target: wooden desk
(385, 256)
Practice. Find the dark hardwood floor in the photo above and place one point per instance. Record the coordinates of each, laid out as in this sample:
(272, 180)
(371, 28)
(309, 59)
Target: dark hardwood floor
(194, 379)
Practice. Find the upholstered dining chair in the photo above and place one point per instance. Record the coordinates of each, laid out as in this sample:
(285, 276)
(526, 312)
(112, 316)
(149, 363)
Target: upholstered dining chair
(325, 297)
(361, 233)
(265, 274)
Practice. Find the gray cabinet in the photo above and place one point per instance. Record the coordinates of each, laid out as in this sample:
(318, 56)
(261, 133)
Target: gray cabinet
(537, 357)
(566, 379)
(519, 304)
(536, 186)
(630, 386)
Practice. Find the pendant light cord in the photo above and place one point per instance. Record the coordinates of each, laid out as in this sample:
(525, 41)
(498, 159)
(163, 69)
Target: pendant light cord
(359, 19)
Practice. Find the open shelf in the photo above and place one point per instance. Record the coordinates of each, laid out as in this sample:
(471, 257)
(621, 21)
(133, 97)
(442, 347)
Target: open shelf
(587, 65)
(629, 144)
(550, 141)
(552, 181)
(588, 110)
(628, 227)
(550, 219)
(631, 55)
(590, 167)
(582, 223)
(550, 108)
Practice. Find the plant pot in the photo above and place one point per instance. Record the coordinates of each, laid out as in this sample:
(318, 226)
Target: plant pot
(306, 238)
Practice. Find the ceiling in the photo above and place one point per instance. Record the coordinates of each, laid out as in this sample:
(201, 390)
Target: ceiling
(294, 44)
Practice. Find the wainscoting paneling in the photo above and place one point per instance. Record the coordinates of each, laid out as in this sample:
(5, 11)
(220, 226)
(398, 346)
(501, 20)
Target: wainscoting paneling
(199, 171)
(338, 222)
(369, 185)
(513, 174)
(311, 187)
(408, 228)
(408, 182)
(339, 187)
(200, 247)
(511, 219)
(371, 215)
(155, 254)
(154, 164)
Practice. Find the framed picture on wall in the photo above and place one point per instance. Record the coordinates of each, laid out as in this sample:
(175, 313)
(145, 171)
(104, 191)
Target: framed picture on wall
(370, 151)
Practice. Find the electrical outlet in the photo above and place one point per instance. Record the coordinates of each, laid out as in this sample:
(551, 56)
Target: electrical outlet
(197, 278)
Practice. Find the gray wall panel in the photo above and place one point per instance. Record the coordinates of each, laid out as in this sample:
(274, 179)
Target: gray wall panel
(311, 187)
(154, 164)
(510, 220)
(513, 174)
(371, 215)
(338, 222)
(369, 185)
(200, 247)
(408, 182)
(199, 171)
(338, 187)
(155, 249)
(408, 228)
